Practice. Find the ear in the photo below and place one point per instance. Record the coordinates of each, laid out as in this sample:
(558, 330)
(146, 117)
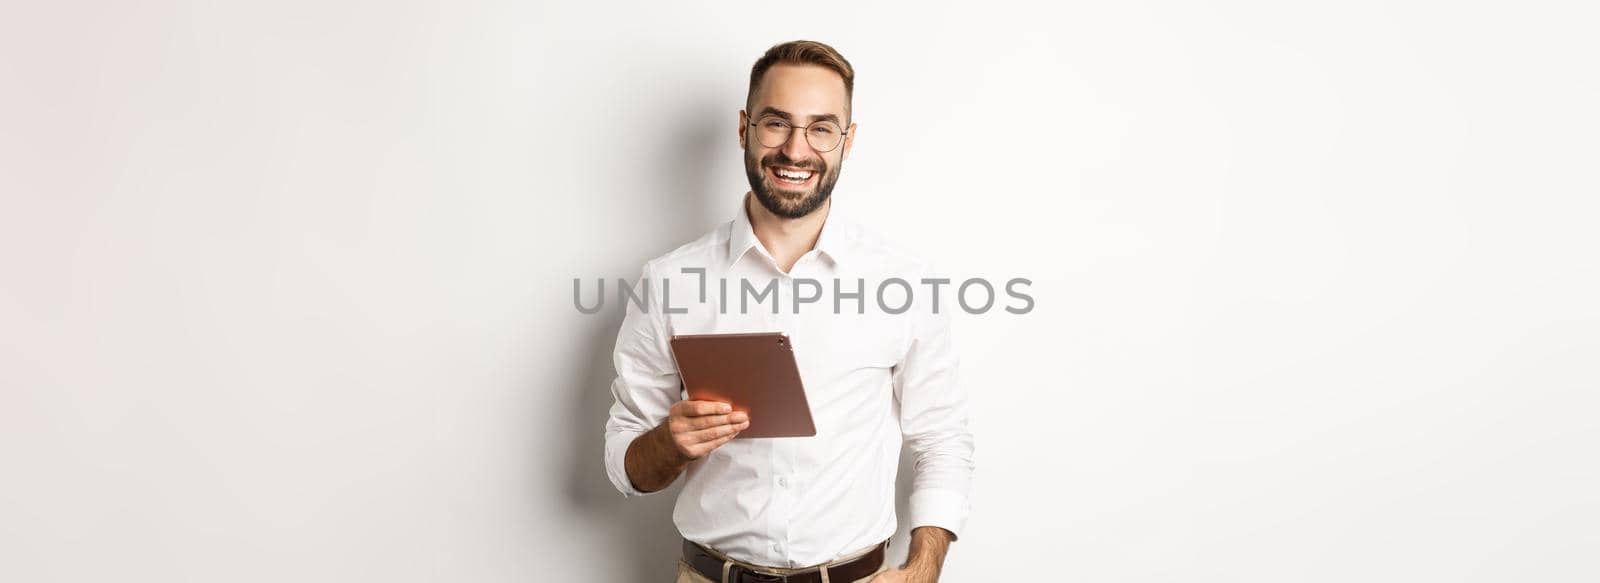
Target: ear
(849, 139)
(744, 122)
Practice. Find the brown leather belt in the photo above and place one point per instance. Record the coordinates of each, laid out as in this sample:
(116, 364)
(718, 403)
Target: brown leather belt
(709, 565)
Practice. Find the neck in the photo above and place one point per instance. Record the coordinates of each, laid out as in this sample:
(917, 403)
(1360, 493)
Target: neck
(784, 238)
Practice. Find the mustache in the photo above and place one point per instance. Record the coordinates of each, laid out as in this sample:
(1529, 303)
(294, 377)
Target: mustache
(781, 159)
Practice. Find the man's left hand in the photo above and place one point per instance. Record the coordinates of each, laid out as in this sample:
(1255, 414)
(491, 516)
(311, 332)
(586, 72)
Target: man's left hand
(892, 576)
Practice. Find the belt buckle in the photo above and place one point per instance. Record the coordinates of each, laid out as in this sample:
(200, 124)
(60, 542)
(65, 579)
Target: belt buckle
(765, 577)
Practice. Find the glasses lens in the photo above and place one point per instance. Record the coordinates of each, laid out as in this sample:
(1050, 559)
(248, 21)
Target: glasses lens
(824, 136)
(772, 131)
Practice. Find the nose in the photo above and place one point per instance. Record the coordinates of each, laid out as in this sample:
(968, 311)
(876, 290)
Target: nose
(797, 148)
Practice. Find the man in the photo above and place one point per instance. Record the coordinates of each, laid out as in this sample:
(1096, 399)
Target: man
(796, 509)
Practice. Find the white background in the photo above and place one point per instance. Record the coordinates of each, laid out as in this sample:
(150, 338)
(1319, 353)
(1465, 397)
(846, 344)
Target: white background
(286, 286)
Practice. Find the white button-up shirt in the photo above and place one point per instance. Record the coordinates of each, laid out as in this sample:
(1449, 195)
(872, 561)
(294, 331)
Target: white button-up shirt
(872, 377)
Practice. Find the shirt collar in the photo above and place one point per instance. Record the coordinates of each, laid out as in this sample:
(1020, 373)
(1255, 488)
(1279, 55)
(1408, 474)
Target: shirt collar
(832, 241)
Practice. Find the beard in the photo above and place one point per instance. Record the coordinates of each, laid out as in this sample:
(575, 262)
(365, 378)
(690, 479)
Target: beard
(780, 199)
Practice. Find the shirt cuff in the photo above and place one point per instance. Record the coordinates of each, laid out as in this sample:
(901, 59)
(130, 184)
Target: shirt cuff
(616, 468)
(946, 509)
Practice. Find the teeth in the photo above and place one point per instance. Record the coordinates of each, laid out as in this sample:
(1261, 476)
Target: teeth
(792, 174)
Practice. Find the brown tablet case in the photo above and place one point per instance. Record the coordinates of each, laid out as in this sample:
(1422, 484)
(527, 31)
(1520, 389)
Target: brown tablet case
(754, 372)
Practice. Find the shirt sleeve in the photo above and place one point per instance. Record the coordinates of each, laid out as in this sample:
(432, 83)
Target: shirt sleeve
(646, 385)
(933, 421)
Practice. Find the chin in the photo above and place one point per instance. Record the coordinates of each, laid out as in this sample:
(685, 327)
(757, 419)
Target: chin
(797, 198)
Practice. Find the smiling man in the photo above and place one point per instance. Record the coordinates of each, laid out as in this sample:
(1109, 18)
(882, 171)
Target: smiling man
(799, 509)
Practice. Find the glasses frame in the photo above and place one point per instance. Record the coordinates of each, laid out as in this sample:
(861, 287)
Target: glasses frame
(844, 132)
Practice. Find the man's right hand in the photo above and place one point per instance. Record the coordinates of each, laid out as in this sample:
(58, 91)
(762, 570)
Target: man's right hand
(693, 430)
(700, 427)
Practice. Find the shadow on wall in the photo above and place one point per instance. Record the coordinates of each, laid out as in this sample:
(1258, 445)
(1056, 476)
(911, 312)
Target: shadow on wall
(639, 532)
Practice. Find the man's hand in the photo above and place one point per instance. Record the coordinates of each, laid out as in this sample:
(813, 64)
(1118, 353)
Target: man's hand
(700, 427)
(693, 430)
(893, 576)
(924, 561)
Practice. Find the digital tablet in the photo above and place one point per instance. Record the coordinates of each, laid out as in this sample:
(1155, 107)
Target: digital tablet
(754, 372)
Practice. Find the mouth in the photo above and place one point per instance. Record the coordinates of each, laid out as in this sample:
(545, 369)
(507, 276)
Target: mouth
(791, 177)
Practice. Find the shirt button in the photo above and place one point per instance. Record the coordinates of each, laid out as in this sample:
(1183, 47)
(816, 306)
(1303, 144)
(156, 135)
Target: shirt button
(777, 548)
(782, 481)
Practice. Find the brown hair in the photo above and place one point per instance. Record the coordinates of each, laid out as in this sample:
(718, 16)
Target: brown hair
(803, 52)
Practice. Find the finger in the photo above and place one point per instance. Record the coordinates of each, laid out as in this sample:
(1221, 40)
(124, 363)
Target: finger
(706, 448)
(699, 408)
(718, 442)
(709, 421)
(705, 435)
(690, 424)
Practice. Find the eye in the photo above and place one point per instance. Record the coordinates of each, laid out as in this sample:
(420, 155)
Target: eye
(822, 131)
(776, 124)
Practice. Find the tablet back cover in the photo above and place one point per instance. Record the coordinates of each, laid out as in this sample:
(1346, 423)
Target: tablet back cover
(755, 372)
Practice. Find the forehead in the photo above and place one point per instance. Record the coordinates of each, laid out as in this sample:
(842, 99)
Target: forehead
(801, 90)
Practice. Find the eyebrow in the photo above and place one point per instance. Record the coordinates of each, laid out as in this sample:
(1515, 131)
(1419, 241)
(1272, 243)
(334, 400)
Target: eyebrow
(769, 110)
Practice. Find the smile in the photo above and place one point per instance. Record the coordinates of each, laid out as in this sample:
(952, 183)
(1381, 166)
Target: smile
(790, 176)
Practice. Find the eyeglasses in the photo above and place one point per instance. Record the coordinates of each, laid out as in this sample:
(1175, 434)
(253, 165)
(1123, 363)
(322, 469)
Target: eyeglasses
(823, 136)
